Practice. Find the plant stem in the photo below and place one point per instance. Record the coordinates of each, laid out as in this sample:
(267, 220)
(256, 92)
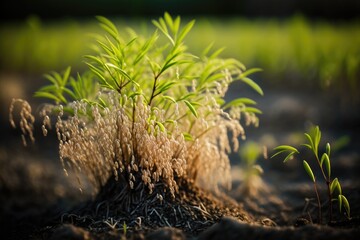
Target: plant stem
(319, 202)
(330, 202)
(153, 89)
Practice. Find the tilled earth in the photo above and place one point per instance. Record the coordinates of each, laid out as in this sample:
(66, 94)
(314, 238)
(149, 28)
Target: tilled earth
(38, 202)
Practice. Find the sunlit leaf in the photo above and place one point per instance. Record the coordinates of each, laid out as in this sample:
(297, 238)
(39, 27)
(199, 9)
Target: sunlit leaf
(328, 149)
(48, 95)
(169, 98)
(191, 107)
(188, 136)
(325, 159)
(335, 185)
(288, 157)
(253, 85)
(286, 147)
(308, 170)
(161, 126)
(250, 71)
(185, 31)
(239, 102)
(252, 110)
(108, 26)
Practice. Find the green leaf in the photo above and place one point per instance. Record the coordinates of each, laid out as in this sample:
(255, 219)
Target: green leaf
(344, 202)
(161, 126)
(165, 86)
(108, 26)
(188, 136)
(326, 161)
(328, 149)
(163, 30)
(121, 71)
(70, 93)
(239, 102)
(340, 202)
(335, 185)
(307, 145)
(250, 71)
(286, 148)
(66, 75)
(191, 107)
(288, 157)
(145, 48)
(51, 79)
(102, 102)
(252, 110)
(253, 85)
(95, 59)
(277, 153)
(216, 53)
(169, 98)
(308, 170)
(311, 143)
(134, 94)
(185, 31)
(48, 95)
(100, 75)
(170, 121)
(315, 136)
(169, 20)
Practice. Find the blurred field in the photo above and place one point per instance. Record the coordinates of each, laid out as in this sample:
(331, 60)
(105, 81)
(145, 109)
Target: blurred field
(295, 52)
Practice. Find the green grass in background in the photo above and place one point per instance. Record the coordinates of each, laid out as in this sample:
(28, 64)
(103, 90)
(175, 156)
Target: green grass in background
(295, 51)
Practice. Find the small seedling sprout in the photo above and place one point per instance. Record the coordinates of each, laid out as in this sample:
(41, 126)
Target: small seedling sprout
(333, 185)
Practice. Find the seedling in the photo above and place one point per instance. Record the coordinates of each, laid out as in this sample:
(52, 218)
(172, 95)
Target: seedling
(334, 191)
(251, 171)
(147, 111)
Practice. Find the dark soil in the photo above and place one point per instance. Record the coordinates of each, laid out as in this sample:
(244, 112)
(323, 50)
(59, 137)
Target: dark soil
(38, 202)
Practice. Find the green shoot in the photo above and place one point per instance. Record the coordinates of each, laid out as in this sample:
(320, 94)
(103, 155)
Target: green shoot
(334, 191)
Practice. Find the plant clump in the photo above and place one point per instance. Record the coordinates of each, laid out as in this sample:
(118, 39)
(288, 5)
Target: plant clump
(147, 113)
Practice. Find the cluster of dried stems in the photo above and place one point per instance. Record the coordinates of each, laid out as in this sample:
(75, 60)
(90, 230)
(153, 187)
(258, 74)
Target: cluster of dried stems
(101, 142)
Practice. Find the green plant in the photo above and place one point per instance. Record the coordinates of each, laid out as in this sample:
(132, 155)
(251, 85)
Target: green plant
(334, 191)
(147, 111)
(251, 171)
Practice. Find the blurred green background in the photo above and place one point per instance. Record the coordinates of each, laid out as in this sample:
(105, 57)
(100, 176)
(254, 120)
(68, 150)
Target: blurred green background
(299, 44)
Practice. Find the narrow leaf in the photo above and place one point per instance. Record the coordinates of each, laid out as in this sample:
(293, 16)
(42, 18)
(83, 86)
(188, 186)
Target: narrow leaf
(253, 85)
(288, 157)
(286, 147)
(307, 145)
(252, 110)
(191, 107)
(161, 126)
(250, 71)
(327, 164)
(185, 31)
(277, 153)
(340, 202)
(164, 31)
(311, 143)
(47, 95)
(239, 102)
(346, 205)
(169, 98)
(328, 149)
(188, 136)
(333, 185)
(308, 170)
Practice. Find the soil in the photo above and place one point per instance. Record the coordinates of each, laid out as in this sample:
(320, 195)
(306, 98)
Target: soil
(37, 201)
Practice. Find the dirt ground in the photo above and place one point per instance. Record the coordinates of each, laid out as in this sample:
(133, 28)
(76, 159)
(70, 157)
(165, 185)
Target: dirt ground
(35, 194)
